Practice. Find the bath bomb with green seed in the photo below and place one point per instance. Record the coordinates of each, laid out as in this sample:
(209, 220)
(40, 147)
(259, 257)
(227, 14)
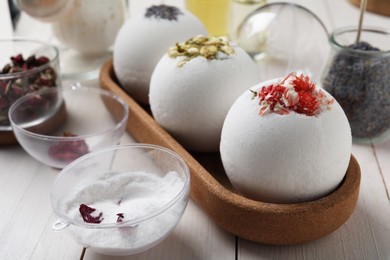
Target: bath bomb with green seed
(194, 85)
(286, 141)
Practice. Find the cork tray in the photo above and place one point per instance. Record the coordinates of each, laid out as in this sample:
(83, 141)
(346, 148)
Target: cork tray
(268, 223)
(7, 138)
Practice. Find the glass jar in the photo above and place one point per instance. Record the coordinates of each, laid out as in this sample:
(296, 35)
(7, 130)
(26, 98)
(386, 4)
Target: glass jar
(358, 77)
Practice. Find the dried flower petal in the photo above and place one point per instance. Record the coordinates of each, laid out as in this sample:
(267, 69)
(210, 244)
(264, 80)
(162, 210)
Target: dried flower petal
(120, 217)
(294, 93)
(13, 88)
(207, 47)
(86, 212)
(68, 151)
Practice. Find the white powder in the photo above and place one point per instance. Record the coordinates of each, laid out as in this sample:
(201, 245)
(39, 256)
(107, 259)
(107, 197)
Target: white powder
(135, 194)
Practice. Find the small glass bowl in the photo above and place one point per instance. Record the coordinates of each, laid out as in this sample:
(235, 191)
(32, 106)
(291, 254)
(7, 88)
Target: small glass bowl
(16, 84)
(148, 184)
(58, 125)
(284, 37)
(360, 81)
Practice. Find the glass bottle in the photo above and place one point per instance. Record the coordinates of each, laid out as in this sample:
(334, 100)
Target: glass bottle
(358, 77)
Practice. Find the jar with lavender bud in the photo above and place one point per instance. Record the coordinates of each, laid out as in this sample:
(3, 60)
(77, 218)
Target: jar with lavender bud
(25, 66)
(358, 77)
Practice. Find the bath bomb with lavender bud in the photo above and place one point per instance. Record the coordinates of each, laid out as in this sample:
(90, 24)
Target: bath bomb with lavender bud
(194, 85)
(144, 39)
(286, 141)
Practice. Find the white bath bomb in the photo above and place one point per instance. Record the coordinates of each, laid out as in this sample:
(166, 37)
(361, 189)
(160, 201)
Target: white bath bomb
(144, 39)
(273, 153)
(191, 95)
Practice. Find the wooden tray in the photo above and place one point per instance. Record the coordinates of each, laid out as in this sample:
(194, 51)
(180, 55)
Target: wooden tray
(7, 138)
(253, 220)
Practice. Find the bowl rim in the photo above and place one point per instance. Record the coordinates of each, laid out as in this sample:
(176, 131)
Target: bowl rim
(334, 43)
(184, 191)
(286, 5)
(78, 87)
(52, 60)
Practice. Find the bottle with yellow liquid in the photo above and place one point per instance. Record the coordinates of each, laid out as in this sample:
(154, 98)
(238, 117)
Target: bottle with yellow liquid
(214, 14)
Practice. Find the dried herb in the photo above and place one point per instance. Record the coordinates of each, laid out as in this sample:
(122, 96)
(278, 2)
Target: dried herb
(86, 212)
(68, 150)
(361, 84)
(294, 93)
(164, 12)
(13, 88)
(201, 46)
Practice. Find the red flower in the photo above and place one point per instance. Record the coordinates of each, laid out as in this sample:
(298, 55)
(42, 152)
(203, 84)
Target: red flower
(294, 93)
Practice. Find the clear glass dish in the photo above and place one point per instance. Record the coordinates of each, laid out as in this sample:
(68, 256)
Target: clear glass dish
(285, 37)
(148, 184)
(58, 125)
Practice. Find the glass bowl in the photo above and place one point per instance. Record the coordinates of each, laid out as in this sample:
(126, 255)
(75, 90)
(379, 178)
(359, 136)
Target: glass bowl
(121, 200)
(58, 125)
(284, 37)
(24, 74)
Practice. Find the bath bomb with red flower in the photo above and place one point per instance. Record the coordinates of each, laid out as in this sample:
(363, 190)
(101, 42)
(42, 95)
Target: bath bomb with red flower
(286, 141)
(194, 85)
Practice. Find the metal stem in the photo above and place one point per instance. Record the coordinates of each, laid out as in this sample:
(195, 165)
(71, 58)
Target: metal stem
(363, 4)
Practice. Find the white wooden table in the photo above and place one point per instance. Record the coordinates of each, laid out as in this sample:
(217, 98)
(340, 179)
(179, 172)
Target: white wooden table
(26, 216)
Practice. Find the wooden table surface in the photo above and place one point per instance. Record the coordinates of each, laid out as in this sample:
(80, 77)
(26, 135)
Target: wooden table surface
(26, 216)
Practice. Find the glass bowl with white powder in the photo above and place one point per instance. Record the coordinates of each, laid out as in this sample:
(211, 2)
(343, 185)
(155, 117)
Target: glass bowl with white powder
(121, 200)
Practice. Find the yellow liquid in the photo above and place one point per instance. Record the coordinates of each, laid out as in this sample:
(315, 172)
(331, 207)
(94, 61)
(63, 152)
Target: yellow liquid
(214, 14)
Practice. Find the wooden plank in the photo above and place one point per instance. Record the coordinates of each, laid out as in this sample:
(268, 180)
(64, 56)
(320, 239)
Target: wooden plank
(382, 152)
(26, 210)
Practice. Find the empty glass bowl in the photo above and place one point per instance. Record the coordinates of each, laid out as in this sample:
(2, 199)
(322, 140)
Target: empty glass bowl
(121, 200)
(58, 125)
(284, 37)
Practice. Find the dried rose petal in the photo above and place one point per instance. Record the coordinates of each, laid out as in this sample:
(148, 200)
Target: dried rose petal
(86, 212)
(68, 151)
(120, 217)
(17, 60)
(13, 88)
